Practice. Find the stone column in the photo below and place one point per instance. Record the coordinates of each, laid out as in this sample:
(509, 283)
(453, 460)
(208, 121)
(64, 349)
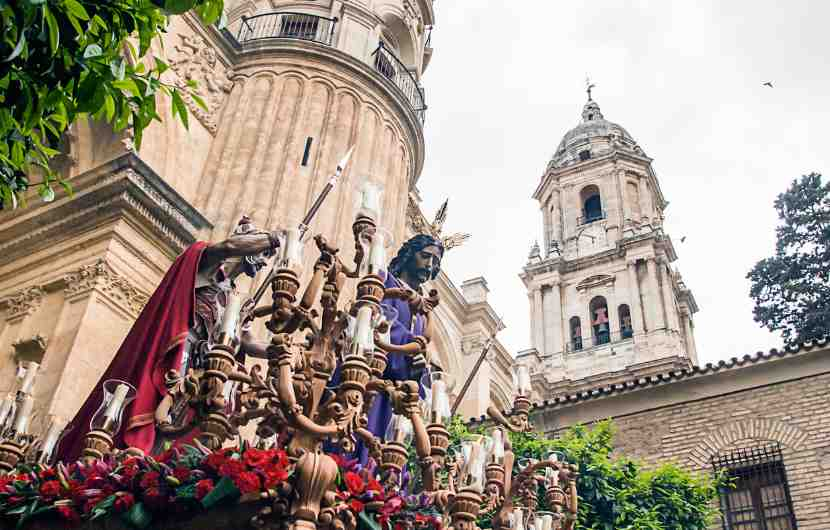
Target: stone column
(691, 347)
(645, 211)
(668, 297)
(533, 324)
(556, 201)
(539, 330)
(625, 208)
(553, 313)
(655, 318)
(547, 219)
(636, 304)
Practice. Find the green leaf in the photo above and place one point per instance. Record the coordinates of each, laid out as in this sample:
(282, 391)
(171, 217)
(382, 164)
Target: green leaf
(109, 105)
(93, 50)
(177, 7)
(118, 68)
(129, 85)
(75, 24)
(180, 108)
(367, 521)
(161, 66)
(16, 52)
(199, 101)
(54, 31)
(76, 9)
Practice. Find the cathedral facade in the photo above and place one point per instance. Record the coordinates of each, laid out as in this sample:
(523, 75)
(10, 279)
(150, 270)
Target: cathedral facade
(290, 87)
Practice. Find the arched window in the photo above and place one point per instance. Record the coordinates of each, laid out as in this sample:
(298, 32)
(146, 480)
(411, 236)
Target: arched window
(576, 334)
(626, 331)
(599, 320)
(591, 204)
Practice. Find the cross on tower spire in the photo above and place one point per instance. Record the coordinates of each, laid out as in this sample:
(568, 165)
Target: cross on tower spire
(588, 86)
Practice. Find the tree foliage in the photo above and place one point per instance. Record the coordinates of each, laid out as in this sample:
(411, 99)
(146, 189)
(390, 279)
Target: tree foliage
(618, 493)
(792, 288)
(61, 60)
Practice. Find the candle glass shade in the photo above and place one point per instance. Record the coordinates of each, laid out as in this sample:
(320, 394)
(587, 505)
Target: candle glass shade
(28, 381)
(521, 380)
(363, 338)
(440, 410)
(292, 249)
(497, 453)
(556, 456)
(399, 430)
(23, 416)
(368, 200)
(52, 435)
(376, 248)
(6, 412)
(117, 395)
(516, 519)
(474, 458)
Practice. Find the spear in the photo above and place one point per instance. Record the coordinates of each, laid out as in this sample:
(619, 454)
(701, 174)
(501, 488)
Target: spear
(304, 224)
(477, 366)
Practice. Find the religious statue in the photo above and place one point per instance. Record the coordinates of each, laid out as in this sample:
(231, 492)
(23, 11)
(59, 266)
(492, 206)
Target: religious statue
(417, 261)
(171, 335)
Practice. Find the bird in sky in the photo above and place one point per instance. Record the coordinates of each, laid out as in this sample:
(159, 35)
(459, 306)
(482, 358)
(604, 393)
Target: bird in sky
(682, 239)
(768, 83)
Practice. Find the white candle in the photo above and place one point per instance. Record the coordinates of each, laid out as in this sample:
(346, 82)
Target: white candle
(6, 409)
(369, 205)
(114, 406)
(517, 519)
(523, 380)
(439, 397)
(24, 413)
(547, 522)
(363, 341)
(29, 378)
(498, 446)
(292, 249)
(377, 253)
(51, 439)
(230, 318)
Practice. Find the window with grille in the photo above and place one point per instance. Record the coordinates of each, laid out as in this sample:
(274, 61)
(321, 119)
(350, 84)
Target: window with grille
(759, 497)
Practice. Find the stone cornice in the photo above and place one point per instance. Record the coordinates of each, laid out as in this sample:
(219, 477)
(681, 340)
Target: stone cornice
(124, 187)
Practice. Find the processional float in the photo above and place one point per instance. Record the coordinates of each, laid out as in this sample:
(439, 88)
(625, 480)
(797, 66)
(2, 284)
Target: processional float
(325, 366)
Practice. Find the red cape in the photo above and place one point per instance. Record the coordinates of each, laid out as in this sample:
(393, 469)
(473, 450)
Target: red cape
(154, 344)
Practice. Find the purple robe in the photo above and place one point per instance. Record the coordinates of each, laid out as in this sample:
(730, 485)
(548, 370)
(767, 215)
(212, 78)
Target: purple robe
(399, 366)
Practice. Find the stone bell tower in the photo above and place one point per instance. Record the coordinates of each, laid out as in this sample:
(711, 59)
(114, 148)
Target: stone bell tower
(605, 302)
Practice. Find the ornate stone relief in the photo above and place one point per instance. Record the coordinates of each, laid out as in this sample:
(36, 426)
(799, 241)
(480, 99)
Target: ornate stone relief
(196, 60)
(99, 275)
(24, 302)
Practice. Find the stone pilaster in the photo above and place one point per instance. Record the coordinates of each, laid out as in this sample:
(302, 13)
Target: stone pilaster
(653, 297)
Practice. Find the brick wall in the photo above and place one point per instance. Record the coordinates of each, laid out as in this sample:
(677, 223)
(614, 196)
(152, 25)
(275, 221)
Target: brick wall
(794, 413)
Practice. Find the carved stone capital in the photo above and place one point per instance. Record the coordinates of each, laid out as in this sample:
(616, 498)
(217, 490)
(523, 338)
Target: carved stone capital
(24, 302)
(101, 277)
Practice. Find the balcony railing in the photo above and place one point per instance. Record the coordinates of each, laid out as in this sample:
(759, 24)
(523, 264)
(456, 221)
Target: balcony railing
(394, 70)
(599, 339)
(590, 217)
(287, 26)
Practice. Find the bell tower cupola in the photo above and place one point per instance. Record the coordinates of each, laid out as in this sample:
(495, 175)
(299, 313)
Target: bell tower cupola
(605, 301)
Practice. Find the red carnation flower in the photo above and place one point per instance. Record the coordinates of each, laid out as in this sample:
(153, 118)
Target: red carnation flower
(257, 458)
(150, 480)
(47, 474)
(69, 513)
(95, 481)
(155, 499)
(354, 483)
(374, 485)
(130, 469)
(182, 474)
(274, 477)
(215, 460)
(231, 468)
(356, 506)
(203, 487)
(282, 458)
(123, 502)
(246, 482)
(50, 489)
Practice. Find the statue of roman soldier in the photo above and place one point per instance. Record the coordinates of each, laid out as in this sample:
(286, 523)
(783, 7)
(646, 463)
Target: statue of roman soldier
(170, 337)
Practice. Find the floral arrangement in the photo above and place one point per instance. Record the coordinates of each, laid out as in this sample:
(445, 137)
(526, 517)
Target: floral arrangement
(141, 489)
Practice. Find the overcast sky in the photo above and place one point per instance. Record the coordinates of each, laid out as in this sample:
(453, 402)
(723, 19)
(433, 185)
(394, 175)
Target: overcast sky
(684, 78)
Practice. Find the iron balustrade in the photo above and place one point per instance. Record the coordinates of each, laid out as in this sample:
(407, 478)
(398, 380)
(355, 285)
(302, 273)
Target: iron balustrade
(599, 339)
(590, 218)
(390, 67)
(287, 26)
